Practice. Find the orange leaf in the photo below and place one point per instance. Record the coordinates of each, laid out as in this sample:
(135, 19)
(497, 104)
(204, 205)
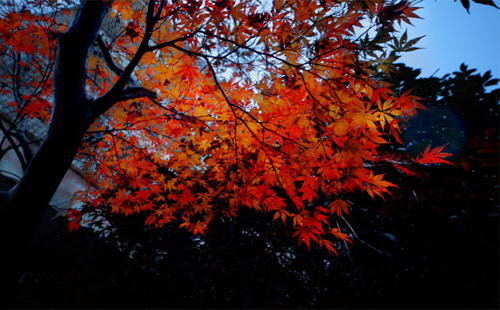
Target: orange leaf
(336, 232)
(338, 206)
(329, 246)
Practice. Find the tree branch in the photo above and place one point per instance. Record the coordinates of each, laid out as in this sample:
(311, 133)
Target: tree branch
(135, 92)
(107, 56)
(71, 103)
(171, 43)
(114, 95)
(7, 134)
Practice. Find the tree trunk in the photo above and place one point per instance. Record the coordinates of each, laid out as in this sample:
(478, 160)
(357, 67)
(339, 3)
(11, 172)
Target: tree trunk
(21, 214)
(72, 114)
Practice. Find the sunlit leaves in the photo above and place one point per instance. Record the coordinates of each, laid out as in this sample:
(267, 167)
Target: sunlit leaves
(266, 107)
(223, 138)
(375, 185)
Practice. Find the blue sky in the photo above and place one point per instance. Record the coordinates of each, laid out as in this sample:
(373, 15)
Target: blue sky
(453, 37)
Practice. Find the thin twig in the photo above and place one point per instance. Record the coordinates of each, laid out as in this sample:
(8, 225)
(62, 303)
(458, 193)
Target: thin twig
(354, 266)
(359, 239)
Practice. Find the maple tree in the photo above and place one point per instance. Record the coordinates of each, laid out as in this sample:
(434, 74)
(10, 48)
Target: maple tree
(459, 108)
(190, 110)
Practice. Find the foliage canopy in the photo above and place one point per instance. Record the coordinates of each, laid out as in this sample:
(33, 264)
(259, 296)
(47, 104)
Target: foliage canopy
(195, 109)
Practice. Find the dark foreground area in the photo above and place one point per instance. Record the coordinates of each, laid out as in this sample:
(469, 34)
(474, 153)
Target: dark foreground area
(436, 241)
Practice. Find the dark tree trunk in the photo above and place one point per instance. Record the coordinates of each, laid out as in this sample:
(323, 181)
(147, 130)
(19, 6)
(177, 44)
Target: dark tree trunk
(26, 205)
(23, 209)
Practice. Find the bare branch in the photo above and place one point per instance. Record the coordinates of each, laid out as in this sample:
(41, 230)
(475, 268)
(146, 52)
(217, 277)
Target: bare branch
(113, 95)
(171, 43)
(8, 136)
(107, 56)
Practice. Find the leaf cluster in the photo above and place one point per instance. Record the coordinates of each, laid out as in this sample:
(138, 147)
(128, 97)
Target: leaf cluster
(206, 108)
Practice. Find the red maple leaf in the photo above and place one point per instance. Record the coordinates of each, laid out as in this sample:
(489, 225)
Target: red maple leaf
(434, 156)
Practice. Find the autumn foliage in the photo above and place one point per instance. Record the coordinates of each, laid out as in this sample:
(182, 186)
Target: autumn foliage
(279, 106)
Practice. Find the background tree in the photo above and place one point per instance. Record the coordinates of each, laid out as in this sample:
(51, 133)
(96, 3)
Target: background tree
(28, 57)
(458, 109)
(195, 110)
